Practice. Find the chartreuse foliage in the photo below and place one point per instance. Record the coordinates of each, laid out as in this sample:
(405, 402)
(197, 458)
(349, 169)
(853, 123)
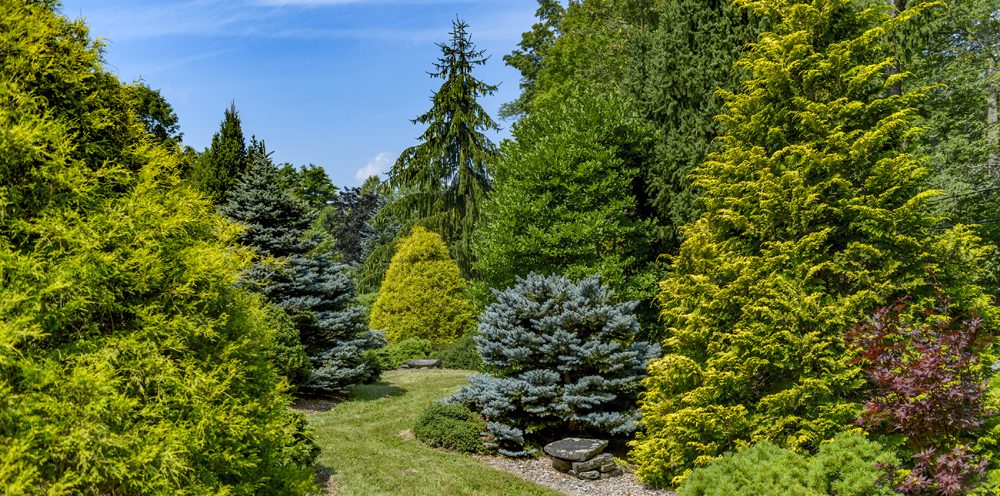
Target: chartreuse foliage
(845, 466)
(815, 213)
(563, 197)
(563, 360)
(423, 294)
(129, 363)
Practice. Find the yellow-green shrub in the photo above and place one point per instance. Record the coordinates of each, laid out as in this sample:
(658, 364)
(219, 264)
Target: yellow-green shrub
(423, 294)
(129, 362)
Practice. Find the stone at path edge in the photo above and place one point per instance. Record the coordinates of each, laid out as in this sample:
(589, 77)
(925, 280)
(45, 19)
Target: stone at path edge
(575, 449)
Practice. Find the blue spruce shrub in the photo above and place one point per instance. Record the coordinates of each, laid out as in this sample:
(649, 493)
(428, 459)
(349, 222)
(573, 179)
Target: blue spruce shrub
(563, 361)
(294, 273)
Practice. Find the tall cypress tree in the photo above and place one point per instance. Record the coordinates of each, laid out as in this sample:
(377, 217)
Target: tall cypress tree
(444, 179)
(315, 292)
(815, 214)
(222, 163)
(676, 71)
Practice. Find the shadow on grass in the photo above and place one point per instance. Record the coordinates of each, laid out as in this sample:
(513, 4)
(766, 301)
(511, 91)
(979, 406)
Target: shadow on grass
(372, 392)
(324, 479)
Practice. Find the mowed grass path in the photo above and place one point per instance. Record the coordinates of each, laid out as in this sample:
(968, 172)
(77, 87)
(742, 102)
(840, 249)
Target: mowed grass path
(363, 446)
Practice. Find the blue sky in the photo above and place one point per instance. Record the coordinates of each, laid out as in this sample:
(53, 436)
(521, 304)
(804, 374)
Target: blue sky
(328, 82)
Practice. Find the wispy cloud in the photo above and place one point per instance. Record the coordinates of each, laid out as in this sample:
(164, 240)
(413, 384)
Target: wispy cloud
(376, 166)
(122, 20)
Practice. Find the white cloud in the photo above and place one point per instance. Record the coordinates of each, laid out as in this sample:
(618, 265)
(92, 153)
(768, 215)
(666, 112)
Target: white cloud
(376, 166)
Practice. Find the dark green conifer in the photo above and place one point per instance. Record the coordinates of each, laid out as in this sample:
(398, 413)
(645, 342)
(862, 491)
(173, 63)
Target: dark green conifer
(677, 70)
(222, 163)
(444, 179)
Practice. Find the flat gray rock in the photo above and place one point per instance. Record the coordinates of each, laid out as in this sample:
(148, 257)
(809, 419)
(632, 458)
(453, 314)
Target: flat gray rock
(594, 463)
(421, 364)
(575, 449)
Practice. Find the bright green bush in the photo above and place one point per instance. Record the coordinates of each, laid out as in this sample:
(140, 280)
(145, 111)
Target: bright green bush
(451, 426)
(815, 213)
(286, 353)
(461, 354)
(393, 355)
(129, 361)
(846, 466)
(423, 294)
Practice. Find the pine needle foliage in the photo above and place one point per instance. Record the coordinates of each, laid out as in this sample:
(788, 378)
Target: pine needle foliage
(563, 360)
(423, 294)
(677, 68)
(815, 213)
(317, 293)
(129, 362)
(222, 163)
(444, 180)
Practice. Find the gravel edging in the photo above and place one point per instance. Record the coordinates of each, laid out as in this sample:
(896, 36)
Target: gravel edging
(540, 471)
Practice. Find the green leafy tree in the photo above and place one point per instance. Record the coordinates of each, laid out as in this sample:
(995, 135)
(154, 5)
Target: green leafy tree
(564, 197)
(963, 134)
(677, 68)
(316, 293)
(444, 179)
(156, 114)
(423, 294)
(815, 213)
(527, 58)
(129, 361)
(221, 164)
(594, 46)
(309, 183)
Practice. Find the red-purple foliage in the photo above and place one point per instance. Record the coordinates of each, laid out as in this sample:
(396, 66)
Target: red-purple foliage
(927, 387)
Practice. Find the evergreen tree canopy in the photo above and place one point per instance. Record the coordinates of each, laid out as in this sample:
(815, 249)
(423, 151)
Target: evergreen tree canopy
(564, 196)
(129, 362)
(222, 163)
(564, 360)
(444, 179)
(349, 222)
(676, 71)
(315, 292)
(423, 294)
(815, 214)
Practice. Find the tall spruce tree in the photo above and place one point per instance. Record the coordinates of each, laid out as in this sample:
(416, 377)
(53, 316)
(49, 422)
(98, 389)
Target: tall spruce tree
(815, 214)
(129, 362)
(222, 163)
(444, 179)
(316, 293)
(676, 71)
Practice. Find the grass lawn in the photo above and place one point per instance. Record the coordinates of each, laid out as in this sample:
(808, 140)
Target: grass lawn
(363, 446)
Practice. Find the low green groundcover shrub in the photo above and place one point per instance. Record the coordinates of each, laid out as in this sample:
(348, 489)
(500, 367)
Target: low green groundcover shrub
(451, 426)
(846, 466)
(461, 354)
(393, 355)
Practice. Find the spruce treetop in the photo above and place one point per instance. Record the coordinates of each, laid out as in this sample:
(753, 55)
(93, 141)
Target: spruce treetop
(444, 179)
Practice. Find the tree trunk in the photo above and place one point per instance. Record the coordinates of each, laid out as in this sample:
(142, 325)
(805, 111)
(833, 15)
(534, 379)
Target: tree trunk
(897, 66)
(992, 129)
